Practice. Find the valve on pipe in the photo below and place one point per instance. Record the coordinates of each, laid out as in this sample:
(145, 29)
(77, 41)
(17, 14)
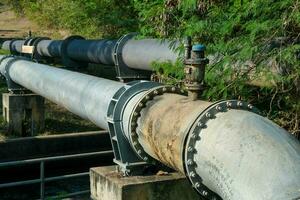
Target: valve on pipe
(194, 69)
(226, 150)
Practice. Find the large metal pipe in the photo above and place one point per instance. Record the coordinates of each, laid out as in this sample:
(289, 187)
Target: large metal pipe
(225, 149)
(84, 95)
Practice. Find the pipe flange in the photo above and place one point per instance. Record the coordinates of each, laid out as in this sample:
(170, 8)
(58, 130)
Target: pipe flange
(133, 135)
(28, 41)
(12, 86)
(125, 156)
(123, 71)
(194, 136)
(3, 58)
(66, 60)
(13, 52)
(6, 56)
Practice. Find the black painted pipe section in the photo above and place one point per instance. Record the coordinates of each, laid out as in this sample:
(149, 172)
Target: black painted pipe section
(126, 51)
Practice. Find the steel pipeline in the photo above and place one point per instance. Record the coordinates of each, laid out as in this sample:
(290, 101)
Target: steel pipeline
(226, 150)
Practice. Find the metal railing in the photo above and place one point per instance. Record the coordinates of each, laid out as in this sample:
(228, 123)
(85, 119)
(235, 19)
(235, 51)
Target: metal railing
(42, 180)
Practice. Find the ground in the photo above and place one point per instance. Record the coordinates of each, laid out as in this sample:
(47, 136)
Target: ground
(12, 26)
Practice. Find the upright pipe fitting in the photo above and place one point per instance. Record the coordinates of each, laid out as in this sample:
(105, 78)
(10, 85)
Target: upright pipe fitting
(195, 63)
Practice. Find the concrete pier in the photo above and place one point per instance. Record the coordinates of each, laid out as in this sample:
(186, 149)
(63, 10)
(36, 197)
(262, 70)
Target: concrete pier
(108, 184)
(24, 113)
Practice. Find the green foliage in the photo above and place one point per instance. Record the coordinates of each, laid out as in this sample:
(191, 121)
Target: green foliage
(91, 18)
(253, 44)
(3, 52)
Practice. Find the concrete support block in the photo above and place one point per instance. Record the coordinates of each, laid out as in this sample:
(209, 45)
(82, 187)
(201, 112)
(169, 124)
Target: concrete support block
(24, 113)
(108, 184)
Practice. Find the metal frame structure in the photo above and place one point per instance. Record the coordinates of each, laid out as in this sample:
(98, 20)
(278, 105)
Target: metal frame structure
(43, 180)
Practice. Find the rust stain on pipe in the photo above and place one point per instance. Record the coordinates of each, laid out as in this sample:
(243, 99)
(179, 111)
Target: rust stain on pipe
(164, 141)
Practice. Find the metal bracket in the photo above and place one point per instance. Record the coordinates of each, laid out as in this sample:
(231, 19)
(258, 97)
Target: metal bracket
(125, 156)
(32, 53)
(124, 73)
(66, 60)
(35, 55)
(11, 49)
(12, 86)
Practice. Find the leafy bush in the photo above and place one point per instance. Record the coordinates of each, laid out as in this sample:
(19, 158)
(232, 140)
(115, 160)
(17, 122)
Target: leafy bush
(254, 46)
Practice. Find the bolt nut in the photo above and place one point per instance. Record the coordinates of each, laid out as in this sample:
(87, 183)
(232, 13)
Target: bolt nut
(164, 89)
(219, 108)
(173, 89)
(250, 106)
(141, 105)
(190, 149)
(229, 104)
(200, 124)
(139, 151)
(192, 174)
(204, 193)
(145, 158)
(197, 185)
(208, 115)
(147, 97)
(190, 162)
(240, 103)
(136, 114)
(155, 92)
(194, 136)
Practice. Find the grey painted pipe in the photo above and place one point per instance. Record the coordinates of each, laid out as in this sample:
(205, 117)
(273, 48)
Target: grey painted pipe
(84, 95)
(15, 46)
(49, 48)
(238, 154)
(140, 54)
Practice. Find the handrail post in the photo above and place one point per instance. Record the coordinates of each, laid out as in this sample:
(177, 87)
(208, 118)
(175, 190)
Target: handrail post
(42, 178)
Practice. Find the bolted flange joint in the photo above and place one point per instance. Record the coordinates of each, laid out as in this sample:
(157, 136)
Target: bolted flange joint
(140, 105)
(194, 135)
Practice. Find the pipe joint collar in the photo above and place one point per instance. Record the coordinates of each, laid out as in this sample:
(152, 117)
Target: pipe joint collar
(66, 60)
(12, 86)
(133, 136)
(124, 154)
(194, 135)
